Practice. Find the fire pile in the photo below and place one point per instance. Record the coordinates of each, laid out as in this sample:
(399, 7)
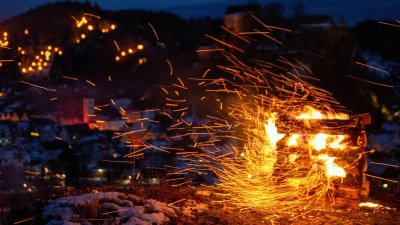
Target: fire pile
(277, 142)
(294, 147)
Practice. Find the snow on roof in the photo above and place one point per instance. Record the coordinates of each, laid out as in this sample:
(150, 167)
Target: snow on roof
(122, 102)
(60, 211)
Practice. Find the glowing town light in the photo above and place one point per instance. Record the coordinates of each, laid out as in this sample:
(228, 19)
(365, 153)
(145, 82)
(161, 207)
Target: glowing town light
(30, 69)
(103, 30)
(60, 52)
(41, 52)
(24, 185)
(123, 53)
(56, 49)
(100, 170)
(19, 49)
(19, 63)
(5, 34)
(39, 63)
(113, 26)
(33, 64)
(77, 40)
(23, 70)
(40, 68)
(1, 64)
(385, 185)
(130, 51)
(49, 47)
(47, 54)
(5, 38)
(45, 64)
(26, 32)
(117, 58)
(22, 52)
(140, 47)
(83, 36)
(90, 27)
(37, 57)
(34, 134)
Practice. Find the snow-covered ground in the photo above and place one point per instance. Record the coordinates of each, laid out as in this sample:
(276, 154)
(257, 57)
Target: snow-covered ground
(117, 207)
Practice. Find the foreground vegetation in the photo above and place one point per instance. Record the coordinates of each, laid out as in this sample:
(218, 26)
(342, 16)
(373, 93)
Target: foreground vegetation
(16, 208)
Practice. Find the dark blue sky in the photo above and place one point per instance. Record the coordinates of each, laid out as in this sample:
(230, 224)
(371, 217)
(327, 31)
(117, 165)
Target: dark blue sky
(351, 10)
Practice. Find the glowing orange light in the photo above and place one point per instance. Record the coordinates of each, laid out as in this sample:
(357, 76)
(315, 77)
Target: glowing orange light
(319, 141)
(312, 113)
(22, 52)
(60, 52)
(90, 27)
(23, 70)
(140, 47)
(130, 50)
(30, 69)
(331, 168)
(117, 58)
(19, 48)
(123, 53)
(47, 54)
(49, 47)
(113, 26)
(293, 140)
(5, 34)
(272, 132)
(83, 36)
(26, 32)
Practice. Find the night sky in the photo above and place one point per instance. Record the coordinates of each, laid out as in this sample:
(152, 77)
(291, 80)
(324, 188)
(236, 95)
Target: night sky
(351, 10)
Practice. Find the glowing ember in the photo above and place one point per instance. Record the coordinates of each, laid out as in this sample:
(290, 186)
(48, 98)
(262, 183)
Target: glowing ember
(368, 204)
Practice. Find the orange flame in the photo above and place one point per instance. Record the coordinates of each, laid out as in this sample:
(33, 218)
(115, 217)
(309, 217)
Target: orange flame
(272, 132)
(311, 113)
(331, 168)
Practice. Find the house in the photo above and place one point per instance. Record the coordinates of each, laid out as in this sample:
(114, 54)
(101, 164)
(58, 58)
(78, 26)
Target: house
(109, 118)
(5, 133)
(77, 134)
(46, 132)
(314, 22)
(52, 149)
(238, 18)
